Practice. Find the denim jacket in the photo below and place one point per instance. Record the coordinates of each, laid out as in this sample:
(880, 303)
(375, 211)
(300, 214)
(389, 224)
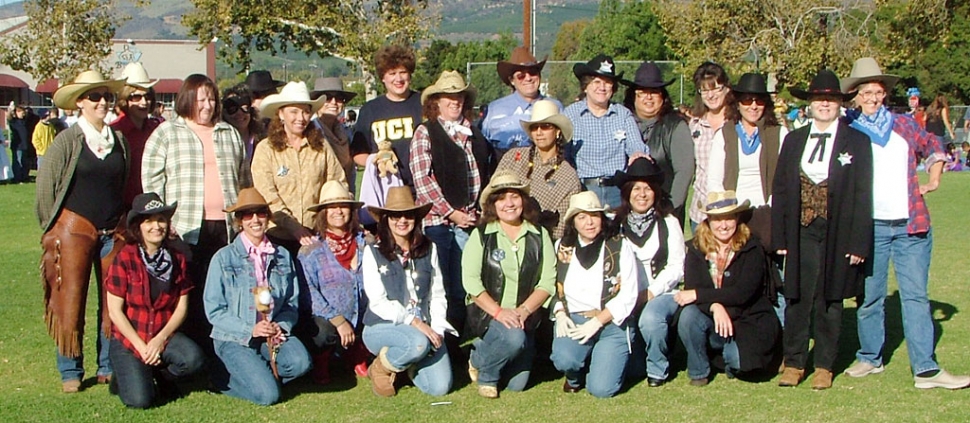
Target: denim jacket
(228, 298)
(334, 290)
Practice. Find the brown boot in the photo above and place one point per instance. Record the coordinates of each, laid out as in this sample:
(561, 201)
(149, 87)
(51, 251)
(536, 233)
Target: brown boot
(791, 377)
(822, 379)
(382, 375)
(321, 367)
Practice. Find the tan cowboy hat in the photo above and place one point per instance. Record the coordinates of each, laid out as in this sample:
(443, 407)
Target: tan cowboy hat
(585, 201)
(137, 76)
(546, 111)
(451, 82)
(248, 199)
(333, 192)
(867, 70)
(331, 86)
(724, 203)
(521, 59)
(399, 200)
(293, 93)
(502, 180)
(66, 97)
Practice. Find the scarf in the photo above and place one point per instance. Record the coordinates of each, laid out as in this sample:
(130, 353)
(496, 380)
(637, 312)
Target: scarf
(159, 265)
(453, 128)
(718, 263)
(878, 126)
(588, 255)
(258, 254)
(100, 142)
(640, 226)
(343, 247)
(748, 145)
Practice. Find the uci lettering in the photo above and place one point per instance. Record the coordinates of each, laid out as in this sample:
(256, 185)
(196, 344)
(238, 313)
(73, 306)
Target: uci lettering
(393, 129)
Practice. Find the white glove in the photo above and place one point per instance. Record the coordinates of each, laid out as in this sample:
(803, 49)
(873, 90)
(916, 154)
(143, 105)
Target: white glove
(564, 324)
(583, 332)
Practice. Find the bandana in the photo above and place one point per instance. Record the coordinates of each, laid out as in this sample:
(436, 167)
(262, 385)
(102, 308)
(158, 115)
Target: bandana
(587, 255)
(640, 226)
(878, 126)
(748, 145)
(159, 265)
(343, 247)
(99, 142)
(453, 128)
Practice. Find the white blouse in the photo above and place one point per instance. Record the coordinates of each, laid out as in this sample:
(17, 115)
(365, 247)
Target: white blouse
(671, 275)
(583, 288)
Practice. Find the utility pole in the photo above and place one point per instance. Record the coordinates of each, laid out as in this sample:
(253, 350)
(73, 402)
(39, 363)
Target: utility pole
(527, 24)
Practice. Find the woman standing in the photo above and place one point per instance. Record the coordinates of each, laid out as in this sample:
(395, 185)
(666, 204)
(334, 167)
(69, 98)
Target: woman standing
(135, 101)
(725, 306)
(236, 111)
(79, 203)
(148, 295)
(334, 276)
(405, 319)
(251, 300)
(710, 113)
(509, 271)
(938, 118)
(596, 291)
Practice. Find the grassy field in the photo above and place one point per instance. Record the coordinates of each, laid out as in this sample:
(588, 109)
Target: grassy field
(30, 388)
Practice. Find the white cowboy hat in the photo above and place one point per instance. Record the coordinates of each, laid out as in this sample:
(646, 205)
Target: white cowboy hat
(501, 180)
(451, 82)
(724, 203)
(546, 111)
(66, 97)
(585, 201)
(137, 76)
(333, 192)
(867, 70)
(292, 93)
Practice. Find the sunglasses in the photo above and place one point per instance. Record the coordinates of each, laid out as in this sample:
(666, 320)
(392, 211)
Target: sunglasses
(399, 216)
(139, 97)
(231, 107)
(248, 214)
(97, 96)
(522, 74)
(747, 101)
(545, 126)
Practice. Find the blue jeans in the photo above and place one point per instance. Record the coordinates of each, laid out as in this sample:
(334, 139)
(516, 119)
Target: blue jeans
(72, 368)
(20, 166)
(250, 375)
(696, 331)
(449, 262)
(654, 326)
(136, 380)
(601, 361)
(406, 347)
(911, 259)
(504, 351)
(607, 194)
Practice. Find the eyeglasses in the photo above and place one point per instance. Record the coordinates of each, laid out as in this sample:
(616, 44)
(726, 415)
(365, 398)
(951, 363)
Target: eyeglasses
(231, 107)
(248, 214)
(522, 74)
(872, 94)
(648, 93)
(747, 101)
(707, 91)
(137, 98)
(96, 97)
(545, 126)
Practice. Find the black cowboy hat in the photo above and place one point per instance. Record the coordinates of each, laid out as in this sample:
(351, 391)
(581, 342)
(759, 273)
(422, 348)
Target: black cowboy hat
(148, 204)
(825, 83)
(641, 169)
(601, 65)
(648, 75)
(261, 81)
(752, 83)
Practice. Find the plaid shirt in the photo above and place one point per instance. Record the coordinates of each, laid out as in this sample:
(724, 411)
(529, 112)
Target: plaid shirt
(922, 145)
(128, 278)
(601, 145)
(552, 194)
(426, 186)
(703, 135)
(173, 167)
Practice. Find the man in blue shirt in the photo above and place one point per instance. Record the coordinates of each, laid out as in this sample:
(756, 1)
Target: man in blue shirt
(501, 123)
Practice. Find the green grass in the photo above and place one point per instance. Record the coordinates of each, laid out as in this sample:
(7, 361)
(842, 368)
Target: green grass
(30, 388)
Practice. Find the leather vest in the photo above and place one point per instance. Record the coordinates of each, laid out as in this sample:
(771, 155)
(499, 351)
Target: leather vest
(450, 167)
(768, 160)
(611, 269)
(494, 278)
(659, 260)
(395, 284)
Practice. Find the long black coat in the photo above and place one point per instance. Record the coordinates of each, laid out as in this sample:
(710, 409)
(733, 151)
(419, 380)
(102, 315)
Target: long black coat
(849, 211)
(742, 293)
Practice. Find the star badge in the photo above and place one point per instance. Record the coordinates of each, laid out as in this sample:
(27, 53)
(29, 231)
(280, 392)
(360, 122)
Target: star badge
(606, 67)
(382, 269)
(845, 158)
(619, 135)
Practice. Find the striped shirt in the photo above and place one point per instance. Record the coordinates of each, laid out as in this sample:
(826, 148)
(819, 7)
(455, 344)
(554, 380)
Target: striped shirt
(601, 145)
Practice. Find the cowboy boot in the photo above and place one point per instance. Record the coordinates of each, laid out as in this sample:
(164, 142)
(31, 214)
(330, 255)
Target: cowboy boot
(321, 367)
(382, 375)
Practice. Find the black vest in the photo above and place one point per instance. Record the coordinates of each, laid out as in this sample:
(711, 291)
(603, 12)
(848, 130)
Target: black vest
(659, 260)
(450, 167)
(611, 250)
(396, 285)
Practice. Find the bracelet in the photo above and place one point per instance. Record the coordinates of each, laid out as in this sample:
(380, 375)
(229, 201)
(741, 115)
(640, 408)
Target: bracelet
(495, 316)
(526, 308)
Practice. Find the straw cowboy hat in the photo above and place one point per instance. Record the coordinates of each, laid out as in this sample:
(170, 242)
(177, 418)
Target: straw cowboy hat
(249, 199)
(724, 203)
(293, 93)
(399, 200)
(451, 82)
(824, 83)
(601, 65)
(148, 204)
(333, 192)
(585, 201)
(867, 70)
(332, 87)
(648, 75)
(641, 169)
(546, 111)
(137, 76)
(752, 83)
(502, 180)
(66, 97)
(521, 60)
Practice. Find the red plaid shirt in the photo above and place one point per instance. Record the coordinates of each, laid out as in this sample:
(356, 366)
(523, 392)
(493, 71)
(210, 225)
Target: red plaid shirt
(922, 145)
(128, 278)
(426, 187)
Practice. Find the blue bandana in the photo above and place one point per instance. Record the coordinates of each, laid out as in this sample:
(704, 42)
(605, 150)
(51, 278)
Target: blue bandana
(878, 127)
(748, 145)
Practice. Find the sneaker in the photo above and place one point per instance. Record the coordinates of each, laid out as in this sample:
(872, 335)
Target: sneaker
(861, 369)
(699, 382)
(472, 372)
(942, 380)
(489, 392)
(71, 386)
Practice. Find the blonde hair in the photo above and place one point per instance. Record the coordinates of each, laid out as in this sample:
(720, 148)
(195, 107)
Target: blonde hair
(704, 238)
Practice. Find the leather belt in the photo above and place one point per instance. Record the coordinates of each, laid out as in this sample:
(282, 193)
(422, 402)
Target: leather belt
(601, 181)
(106, 232)
(589, 314)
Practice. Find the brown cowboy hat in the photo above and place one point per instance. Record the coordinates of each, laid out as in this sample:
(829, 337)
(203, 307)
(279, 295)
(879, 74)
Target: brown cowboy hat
(249, 199)
(521, 60)
(399, 200)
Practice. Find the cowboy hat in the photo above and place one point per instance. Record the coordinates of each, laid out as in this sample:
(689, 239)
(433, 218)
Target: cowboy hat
(332, 87)
(66, 97)
(642, 169)
(867, 70)
(648, 75)
(137, 76)
(825, 83)
(601, 65)
(261, 81)
(724, 203)
(333, 192)
(399, 200)
(249, 199)
(148, 204)
(293, 93)
(547, 111)
(451, 82)
(585, 201)
(502, 180)
(752, 83)
(521, 60)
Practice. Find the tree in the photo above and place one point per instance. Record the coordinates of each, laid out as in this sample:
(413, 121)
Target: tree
(352, 29)
(442, 55)
(63, 38)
